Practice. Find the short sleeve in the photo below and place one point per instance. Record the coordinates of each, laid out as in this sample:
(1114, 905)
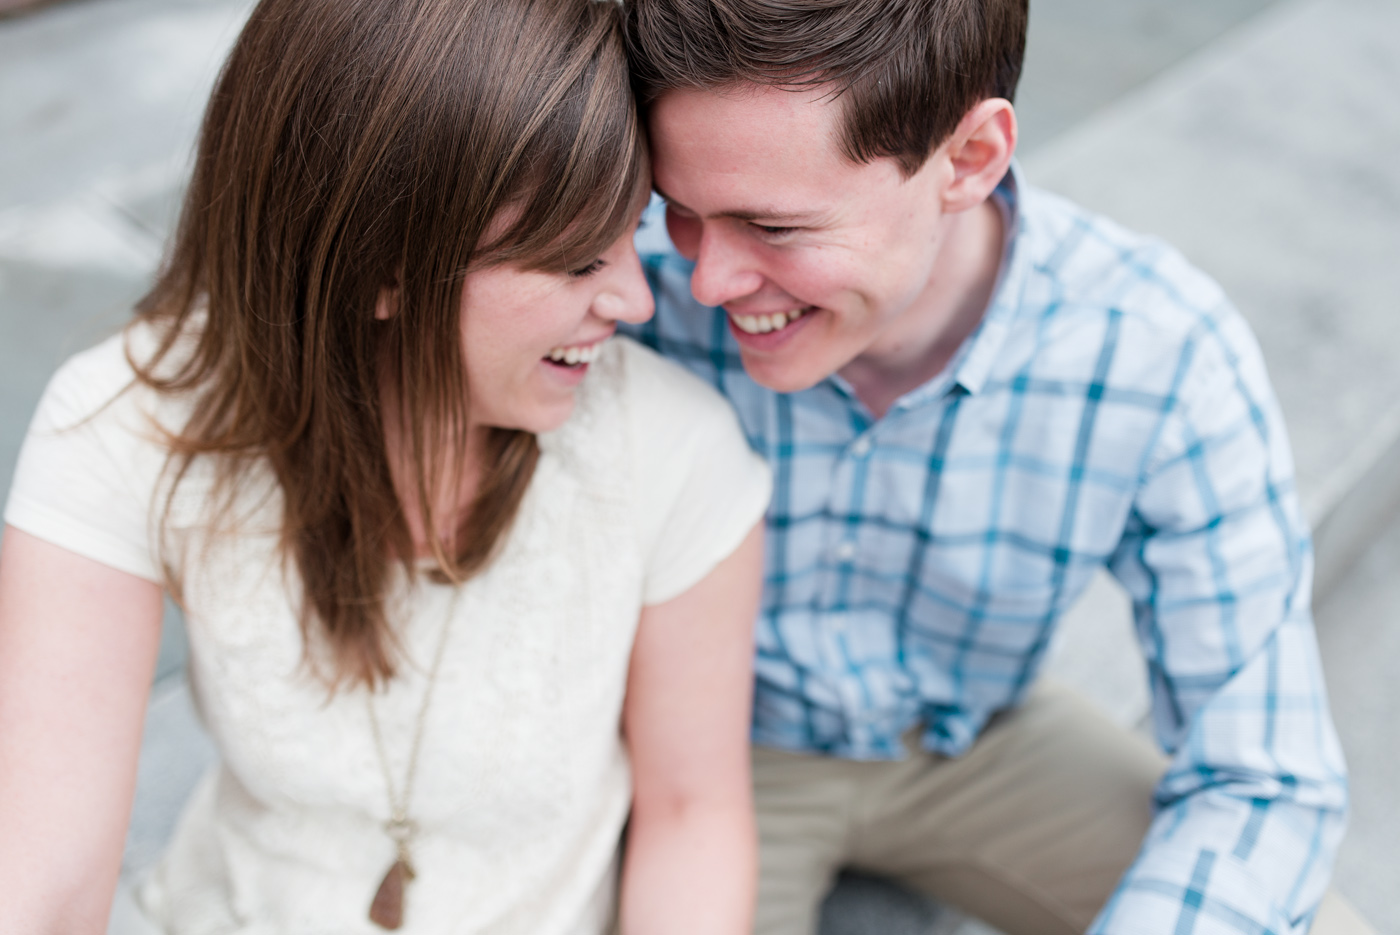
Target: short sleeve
(700, 487)
(89, 465)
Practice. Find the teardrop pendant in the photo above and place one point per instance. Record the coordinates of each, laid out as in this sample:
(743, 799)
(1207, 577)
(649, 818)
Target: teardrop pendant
(387, 909)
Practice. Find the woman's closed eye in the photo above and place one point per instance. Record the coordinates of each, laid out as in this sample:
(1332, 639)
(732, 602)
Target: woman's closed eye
(588, 270)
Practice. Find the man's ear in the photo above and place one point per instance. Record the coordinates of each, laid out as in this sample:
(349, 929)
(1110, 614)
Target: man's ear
(979, 152)
(387, 305)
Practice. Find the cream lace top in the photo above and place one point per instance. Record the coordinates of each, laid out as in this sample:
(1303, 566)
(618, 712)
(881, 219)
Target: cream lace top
(522, 786)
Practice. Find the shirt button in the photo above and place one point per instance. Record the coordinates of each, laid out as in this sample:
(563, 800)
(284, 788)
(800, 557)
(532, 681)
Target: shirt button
(861, 448)
(845, 551)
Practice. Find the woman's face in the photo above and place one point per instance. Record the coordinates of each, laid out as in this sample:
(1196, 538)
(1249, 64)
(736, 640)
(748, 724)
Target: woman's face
(528, 336)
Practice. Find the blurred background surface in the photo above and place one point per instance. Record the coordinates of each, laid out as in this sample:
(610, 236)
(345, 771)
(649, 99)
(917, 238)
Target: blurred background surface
(1257, 135)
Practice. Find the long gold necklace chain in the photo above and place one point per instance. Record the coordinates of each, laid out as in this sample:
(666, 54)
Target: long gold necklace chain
(386, 910)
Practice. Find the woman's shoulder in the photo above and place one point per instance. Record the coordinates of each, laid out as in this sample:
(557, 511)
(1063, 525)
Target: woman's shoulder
(90, 463)
(101, 380)
(699, 486)
(661, 392)
(636, 402)
(90, 380)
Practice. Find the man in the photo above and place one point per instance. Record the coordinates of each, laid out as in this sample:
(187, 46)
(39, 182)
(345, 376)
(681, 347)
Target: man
(973, 395)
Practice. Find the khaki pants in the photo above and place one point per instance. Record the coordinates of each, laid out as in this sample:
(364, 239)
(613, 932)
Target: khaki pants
(1030, 831)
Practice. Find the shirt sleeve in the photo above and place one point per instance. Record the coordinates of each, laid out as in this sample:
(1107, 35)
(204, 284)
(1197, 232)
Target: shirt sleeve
(700, 487)
(89, 465)
(1218, 560)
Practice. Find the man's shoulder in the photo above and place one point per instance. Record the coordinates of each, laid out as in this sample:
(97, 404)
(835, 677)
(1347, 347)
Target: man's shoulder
(1126, 310)
(1083, 263)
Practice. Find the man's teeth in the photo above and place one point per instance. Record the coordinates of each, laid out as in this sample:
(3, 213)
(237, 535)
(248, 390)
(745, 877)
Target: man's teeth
(762, 324)
(576, 355)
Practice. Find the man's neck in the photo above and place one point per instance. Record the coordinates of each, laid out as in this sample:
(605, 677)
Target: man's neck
(920, 344)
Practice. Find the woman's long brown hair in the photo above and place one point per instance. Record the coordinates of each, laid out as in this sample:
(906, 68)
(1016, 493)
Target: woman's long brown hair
(352, 147)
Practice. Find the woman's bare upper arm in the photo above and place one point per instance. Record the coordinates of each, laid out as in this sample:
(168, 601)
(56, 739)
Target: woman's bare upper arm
(690, 686)
(78, 645)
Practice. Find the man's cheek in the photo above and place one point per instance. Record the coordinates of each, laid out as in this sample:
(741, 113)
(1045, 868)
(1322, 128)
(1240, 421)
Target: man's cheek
(685, 234)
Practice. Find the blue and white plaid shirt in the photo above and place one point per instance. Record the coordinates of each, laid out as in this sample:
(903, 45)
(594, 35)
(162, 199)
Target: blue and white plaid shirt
(1111, 410)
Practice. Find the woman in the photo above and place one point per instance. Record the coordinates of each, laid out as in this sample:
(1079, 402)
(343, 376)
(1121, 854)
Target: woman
(436, 538)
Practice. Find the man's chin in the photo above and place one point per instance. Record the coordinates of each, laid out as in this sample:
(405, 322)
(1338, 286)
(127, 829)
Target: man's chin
(780, 375)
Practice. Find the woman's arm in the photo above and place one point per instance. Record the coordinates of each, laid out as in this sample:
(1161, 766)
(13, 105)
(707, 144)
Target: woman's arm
(78, 646)
(691, 858)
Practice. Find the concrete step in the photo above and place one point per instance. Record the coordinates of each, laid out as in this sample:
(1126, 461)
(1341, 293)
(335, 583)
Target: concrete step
(101, 103)
(103, 89)
(1082, 55)
(1359, 633)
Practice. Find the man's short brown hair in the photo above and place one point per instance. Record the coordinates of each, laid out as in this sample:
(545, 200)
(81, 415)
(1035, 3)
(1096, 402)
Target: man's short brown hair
(908, 70)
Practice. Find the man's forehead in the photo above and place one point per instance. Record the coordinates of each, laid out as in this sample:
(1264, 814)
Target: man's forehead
(761, 152)
(750, 112)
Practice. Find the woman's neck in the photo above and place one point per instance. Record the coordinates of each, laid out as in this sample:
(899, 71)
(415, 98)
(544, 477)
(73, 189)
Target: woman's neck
(455, 484)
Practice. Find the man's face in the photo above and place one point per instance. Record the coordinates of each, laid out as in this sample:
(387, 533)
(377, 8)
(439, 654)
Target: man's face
(816, 259)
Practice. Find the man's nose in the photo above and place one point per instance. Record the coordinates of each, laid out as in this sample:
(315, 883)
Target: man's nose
(724, 269)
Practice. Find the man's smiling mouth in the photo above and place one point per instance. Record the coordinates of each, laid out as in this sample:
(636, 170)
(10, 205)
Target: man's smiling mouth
(763, 324)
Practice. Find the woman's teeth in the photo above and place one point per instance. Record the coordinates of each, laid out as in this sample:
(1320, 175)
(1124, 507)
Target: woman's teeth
(573, 356)
(762, 324)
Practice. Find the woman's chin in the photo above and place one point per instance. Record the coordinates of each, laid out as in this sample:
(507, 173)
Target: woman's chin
(539, 417)
(555, 418)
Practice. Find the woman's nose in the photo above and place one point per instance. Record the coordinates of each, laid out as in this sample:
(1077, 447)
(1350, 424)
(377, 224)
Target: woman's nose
(626, 295)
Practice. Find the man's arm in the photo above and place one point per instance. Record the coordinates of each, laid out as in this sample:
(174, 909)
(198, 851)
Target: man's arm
(1218, 560)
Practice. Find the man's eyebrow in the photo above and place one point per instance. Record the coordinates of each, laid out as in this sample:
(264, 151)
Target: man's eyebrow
(758, 213)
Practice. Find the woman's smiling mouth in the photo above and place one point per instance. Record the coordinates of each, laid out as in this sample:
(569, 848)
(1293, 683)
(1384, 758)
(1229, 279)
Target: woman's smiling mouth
(576, 355)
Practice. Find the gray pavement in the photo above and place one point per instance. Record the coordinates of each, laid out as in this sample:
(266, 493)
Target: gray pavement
(99, 105)
(1257, 136)
(1359, 633)
(1083, 55)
